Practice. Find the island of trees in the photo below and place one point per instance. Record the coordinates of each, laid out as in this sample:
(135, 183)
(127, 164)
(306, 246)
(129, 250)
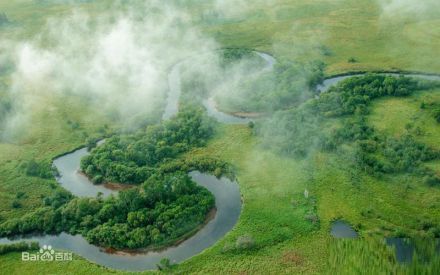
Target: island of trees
(164, 206)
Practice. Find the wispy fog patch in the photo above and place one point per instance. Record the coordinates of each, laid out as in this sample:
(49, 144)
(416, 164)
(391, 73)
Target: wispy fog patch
(230, 8)
(118, 60)
(395, 8)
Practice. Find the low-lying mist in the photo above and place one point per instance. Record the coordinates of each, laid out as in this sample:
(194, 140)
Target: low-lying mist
(117, 60)
(399, 8)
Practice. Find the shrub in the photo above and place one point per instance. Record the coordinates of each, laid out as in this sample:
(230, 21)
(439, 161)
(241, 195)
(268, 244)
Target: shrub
(18, 247)
(165, 264)
(432, 180)
(90, 143)
(437, 115)
(43, 169)
(245, 242)
(16, 204)
(20, 195)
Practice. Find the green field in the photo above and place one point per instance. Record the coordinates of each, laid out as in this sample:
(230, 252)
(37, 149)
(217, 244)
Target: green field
(274, 212)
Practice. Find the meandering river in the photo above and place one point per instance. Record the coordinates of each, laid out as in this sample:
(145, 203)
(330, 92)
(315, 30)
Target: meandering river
(226, 192)
(228, 206)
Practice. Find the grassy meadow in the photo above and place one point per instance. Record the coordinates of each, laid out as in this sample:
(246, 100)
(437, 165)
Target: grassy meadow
(274, 210)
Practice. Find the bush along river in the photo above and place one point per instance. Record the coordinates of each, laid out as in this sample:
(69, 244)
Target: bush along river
(228, 208)
(226, 193)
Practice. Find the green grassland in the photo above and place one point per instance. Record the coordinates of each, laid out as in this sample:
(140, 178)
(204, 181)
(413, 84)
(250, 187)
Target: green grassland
(47, 136)
(398, 116)
(273, 213)
(393, 116)
(332, 31)
(11, 264)
(335, 31)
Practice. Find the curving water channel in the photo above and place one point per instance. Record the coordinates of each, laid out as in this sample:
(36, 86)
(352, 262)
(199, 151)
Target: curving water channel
(175, 90)
(226, 193)
(228, 206)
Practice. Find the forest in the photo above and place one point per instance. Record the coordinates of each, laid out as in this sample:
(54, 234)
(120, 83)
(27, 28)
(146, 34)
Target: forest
(157, 213)
(288, 84)
(5, 108)
(133, 158)
(165, 206)
(327, 160)
(312, 127)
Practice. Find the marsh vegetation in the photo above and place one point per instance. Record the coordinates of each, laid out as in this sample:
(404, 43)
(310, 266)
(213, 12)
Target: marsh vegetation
(366, 150)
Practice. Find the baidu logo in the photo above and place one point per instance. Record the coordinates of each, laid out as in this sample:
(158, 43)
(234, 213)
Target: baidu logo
(46, 254)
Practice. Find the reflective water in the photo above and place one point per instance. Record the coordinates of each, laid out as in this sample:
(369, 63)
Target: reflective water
(341, 229)
(228, 205)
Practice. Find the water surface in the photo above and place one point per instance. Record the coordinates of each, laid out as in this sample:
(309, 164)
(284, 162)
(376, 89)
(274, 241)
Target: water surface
(405, 249)
(341, 229)
(228, 205)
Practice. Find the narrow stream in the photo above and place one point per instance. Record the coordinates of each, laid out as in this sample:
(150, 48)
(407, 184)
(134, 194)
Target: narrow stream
(228, 205)
(227, 194)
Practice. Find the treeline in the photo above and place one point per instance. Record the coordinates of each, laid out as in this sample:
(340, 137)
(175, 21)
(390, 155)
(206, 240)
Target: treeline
(42, 169)
(311, 127)
(378, 153)
(293, 132)
(289, 84)
(159, 212)
(4, 20)
(5, 109)
(243, 85)
(299, 130)
(18, 247)
(231, 55)
(354, 94)
(165, 207)
(202, 164)
(433, 107)
(134, 158)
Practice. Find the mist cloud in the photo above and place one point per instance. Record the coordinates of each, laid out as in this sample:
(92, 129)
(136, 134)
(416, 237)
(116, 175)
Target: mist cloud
(394, 8)
(119, 61)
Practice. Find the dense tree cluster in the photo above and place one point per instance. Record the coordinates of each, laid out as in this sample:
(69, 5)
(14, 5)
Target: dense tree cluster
(380, 153)
(306, 128)
(166, 206)
(354, 94)
(42, 169)
(289, 84)
(243, 85)
(18, 247)
(135, 157)
(203, 164)
(297, 131)
(160, 211)
(291, 132)
(4, 20)
(434, 108)
(231, 55)
(5, 108)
